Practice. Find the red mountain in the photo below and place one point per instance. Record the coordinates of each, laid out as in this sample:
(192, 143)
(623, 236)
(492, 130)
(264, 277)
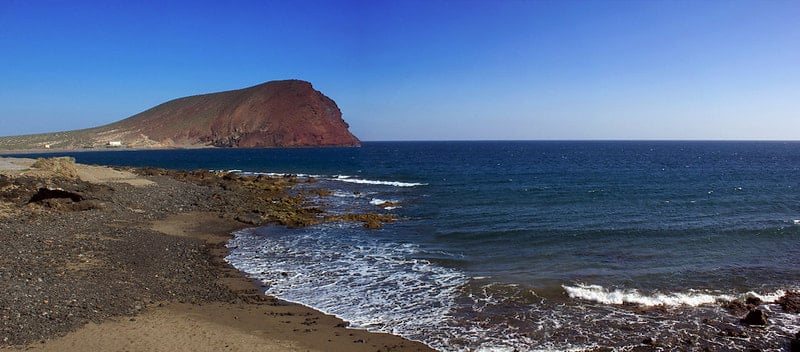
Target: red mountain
(287, 113)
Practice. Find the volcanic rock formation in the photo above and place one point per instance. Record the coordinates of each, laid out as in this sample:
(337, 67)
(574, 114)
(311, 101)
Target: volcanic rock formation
(287, 113)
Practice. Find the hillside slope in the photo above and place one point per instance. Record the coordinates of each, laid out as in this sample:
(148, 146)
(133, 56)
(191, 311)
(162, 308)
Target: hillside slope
(287, 113)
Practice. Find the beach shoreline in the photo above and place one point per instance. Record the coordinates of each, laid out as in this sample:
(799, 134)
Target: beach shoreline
(139, 257)
(138, 264)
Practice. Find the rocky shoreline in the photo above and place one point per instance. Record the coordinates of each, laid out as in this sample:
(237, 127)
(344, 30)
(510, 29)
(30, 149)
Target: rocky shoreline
(92, 253)
(139, 241)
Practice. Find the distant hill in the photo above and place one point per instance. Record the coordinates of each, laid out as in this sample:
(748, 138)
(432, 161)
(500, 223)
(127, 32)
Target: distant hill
(287, 113)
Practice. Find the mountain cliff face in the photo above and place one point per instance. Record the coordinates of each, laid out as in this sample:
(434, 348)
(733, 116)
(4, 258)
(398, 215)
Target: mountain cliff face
(287, 113)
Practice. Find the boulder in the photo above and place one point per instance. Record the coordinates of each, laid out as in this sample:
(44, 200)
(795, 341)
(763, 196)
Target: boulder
(737, 307)
(5, 181)
(753, 301)
(795, 344)
(250, 218)
(755, 317)
(372, 224)
(790, 302)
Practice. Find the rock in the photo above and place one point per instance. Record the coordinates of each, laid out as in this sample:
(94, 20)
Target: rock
(755, 317)
(320, 192)
(51, 193)
(753, 301)
(5, 181)
(250, 218)
(737, 308)
(370, 220)
(795, 344)
(790, 302)
(388, 204)
(372, 224)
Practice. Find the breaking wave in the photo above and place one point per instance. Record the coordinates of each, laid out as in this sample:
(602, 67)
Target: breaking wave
(691, 298)
(350, 179)
(340, 178)
(383, 203)
(600, 294)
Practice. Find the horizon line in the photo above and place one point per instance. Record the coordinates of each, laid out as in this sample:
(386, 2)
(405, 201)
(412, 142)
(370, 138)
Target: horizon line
(583, 140)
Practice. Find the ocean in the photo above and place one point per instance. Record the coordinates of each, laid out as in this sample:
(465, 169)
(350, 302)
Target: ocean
(539, 245)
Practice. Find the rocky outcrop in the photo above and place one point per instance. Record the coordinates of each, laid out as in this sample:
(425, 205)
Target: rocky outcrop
(790, 302)
(61, 166)
(755, 317)
(288, 113)
(370, 220)
(738, 307)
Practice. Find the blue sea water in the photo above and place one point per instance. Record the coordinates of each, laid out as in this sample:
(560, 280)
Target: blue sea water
(532, 245)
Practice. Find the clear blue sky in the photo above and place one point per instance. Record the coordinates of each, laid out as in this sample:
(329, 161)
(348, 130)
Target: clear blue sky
(409, 70)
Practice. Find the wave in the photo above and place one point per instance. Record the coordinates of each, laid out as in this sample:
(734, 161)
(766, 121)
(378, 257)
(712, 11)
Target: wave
(340, 178)
(277, 174)
(271, 174)
(341, 194)
(350, 179)
(386, 204)
(375, 285)
(693, 298)
(600, 294)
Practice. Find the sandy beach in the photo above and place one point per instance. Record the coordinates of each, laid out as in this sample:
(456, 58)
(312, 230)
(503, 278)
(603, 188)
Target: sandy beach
(98, 259)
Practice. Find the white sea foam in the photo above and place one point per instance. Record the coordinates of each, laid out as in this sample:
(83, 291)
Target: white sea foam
(279, 174)
(340, 194)
(350, 179)
(380, 202)
(374, 285)
(767, 297)
(377, 201)
(600, 294)
(271, 174)
(340, 178)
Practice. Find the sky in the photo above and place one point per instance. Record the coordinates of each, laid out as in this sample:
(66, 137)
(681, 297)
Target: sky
(419, 70)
